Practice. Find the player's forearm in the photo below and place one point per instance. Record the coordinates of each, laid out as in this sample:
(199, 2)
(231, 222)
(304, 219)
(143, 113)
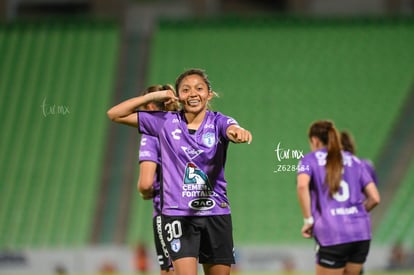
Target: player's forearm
(373, 196)
(304, 202)
(127, 107)
(370, 204)
(302, 190)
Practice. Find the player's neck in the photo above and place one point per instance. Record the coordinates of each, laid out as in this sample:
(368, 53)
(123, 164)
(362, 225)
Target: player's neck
(194, 120)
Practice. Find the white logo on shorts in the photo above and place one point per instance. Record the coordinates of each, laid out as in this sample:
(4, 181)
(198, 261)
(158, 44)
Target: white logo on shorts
(331, 263)
(176, 245)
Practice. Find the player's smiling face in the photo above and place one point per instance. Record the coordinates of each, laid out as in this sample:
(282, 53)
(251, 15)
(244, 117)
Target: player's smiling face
(193, 93)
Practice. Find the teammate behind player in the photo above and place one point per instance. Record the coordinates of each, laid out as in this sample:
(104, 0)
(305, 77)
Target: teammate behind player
(149, 178)
(348, 144)
(335, 193)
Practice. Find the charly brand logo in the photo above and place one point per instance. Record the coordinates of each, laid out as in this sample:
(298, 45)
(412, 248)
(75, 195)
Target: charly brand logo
(284, 154)
(176, 134)
(53, 109)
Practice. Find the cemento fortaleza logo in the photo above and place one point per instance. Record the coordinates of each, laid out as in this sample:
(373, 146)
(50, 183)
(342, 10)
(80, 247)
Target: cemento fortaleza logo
(194, 175)
(202, 204)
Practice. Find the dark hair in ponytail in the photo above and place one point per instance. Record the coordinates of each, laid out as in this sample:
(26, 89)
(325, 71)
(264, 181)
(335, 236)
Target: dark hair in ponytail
(347, 142)
(329, 136)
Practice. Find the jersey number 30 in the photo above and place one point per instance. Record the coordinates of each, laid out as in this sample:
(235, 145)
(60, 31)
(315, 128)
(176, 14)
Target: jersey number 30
(174, 230)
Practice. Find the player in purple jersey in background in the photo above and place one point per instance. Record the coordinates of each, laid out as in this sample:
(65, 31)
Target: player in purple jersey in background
(335, 193)
(348, 144)
(196, 212)
(149, 178)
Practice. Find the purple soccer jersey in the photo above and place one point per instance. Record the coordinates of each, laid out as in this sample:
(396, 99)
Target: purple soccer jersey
(149, 150)
(193, 180)
(370, 168)
(341, 218)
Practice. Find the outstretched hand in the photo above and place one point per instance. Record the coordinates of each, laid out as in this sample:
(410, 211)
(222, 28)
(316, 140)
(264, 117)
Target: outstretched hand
(239, 135)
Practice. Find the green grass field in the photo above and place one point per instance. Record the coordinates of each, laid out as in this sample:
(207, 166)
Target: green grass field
(242, 273)
(292, 273)
(267, 273)
(310, 273)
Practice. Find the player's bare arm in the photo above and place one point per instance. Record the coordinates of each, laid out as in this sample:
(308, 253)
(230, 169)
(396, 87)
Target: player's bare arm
(146, 178)
(373, 196)
(302, 188)
(125, 112)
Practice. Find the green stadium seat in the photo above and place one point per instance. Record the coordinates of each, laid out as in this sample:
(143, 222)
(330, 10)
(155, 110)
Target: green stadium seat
(57, 79)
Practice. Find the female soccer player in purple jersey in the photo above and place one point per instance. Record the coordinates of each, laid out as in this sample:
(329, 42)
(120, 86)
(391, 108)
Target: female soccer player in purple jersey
(149, 179)
(196, 211)
(348, 144)
(335, 194)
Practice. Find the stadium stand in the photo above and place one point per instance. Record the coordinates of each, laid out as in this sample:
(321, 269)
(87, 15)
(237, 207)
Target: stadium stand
(398, 221)
(276, 76)
(57, 79)
(397, 154)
